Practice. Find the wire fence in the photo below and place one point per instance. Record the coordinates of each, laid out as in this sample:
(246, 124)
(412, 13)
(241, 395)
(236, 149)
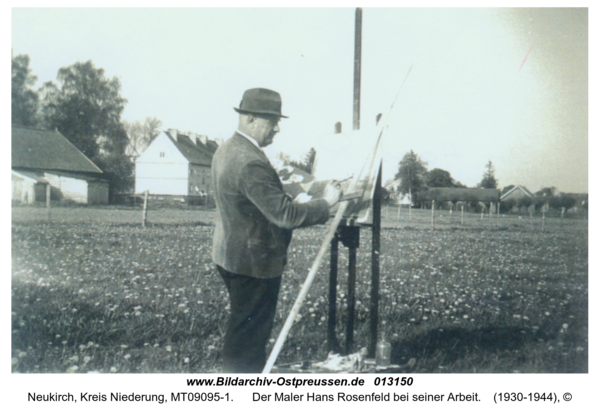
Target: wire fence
(158, 212)
(441, 219)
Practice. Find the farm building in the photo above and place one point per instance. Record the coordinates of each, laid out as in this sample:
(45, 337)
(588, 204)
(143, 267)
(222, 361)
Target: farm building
(518, 197)
(482, 198)
(175, 164)
(393, 186)
(42, 158)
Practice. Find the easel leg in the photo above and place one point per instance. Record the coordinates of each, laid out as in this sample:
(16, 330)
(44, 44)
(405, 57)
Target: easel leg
(351, 298)
(332, 342)
(375, 253)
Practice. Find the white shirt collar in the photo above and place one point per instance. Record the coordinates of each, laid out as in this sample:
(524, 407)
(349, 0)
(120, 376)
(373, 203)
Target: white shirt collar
(254, 142)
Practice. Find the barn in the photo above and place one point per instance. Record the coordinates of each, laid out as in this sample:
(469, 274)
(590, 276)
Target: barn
(45, 158)
(176, 164)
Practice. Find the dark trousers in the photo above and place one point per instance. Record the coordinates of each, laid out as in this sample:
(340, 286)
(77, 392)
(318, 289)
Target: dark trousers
(253, 304)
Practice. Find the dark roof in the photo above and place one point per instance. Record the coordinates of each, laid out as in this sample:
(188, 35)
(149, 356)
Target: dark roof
(443, 194)
(193, 153)
(47, 150)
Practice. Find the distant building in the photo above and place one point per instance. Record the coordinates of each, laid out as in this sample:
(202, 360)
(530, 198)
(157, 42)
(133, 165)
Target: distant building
(516, 193)
(176, 164)
(519, 197)
(44, 157)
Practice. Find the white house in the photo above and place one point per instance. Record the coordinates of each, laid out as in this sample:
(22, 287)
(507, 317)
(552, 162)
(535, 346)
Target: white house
(175, 164)
(45, 157)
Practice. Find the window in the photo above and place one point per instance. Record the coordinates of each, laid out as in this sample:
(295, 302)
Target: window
(162, 154)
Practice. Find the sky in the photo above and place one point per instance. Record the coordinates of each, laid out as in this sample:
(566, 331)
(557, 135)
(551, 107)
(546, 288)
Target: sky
(488, 84)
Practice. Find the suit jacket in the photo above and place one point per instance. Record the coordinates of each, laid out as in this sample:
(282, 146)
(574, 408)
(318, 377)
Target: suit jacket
(255, 216)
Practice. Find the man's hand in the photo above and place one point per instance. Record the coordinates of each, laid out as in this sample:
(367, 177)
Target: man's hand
(333, 193)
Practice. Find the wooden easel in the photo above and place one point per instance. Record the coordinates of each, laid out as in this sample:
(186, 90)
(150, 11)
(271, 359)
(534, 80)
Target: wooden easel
(348, 233)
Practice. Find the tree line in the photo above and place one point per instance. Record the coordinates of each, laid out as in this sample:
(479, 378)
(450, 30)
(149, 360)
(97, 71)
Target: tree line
(85, 106)
(416, 180)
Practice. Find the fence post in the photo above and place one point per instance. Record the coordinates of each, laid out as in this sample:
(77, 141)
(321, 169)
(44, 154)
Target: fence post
(432, 214)
(543, 220)
(145, 212)
(462, 214)
(531, 218)
(48, 193)
(399, 209)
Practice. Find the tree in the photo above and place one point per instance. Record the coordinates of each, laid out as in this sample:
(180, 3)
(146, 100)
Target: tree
(86, 107)
(539, 201)
(524, 201)
(472, 201)
(562, 201)
(140, 135)
(508, 204)
(24, 100)
(489, 180)
(546, 192)
(458, 184)
(118, 169)
(439, 178)
(412, 174)
(545, 196)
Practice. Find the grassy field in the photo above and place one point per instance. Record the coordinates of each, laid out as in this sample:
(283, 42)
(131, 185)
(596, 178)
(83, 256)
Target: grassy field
(93, 291)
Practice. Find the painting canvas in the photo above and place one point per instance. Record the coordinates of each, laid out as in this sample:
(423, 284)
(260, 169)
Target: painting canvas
(357, 173)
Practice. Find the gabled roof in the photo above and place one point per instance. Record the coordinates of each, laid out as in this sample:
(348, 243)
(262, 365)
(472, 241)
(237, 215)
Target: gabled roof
(521, 188)
(192, 152)
(47, 150)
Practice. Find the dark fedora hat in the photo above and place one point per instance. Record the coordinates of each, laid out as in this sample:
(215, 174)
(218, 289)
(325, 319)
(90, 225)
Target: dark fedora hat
(260, 101)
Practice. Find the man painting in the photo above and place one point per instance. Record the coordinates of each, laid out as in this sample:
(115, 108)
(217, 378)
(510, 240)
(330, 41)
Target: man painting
(254, 228)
